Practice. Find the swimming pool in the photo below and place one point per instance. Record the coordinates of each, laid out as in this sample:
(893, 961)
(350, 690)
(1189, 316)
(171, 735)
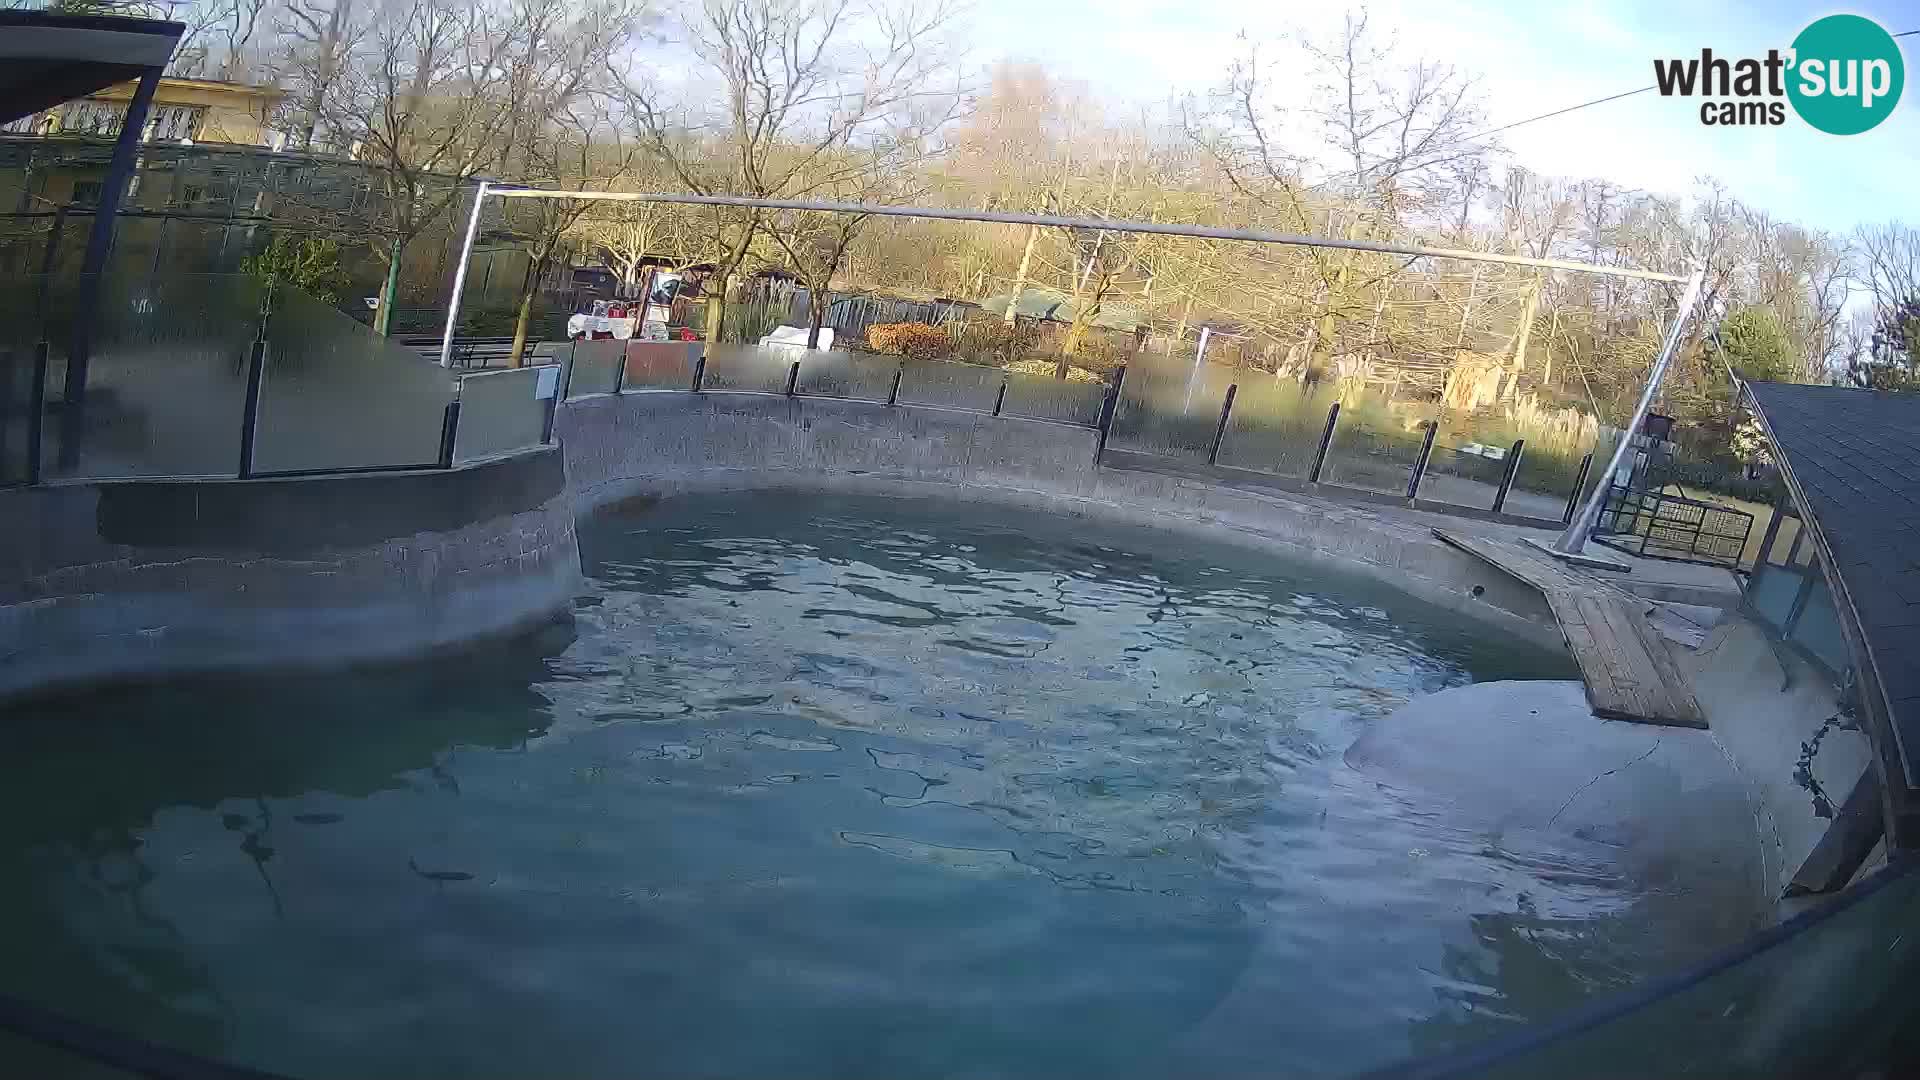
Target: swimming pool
(818, 786)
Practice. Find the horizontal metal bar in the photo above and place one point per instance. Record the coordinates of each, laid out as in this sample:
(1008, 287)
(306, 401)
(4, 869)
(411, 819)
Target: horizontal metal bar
(1204, 232)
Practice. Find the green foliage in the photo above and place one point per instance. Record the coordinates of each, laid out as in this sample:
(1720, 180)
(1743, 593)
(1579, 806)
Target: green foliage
(1893, 362)
(310, 264)
(1757, 346)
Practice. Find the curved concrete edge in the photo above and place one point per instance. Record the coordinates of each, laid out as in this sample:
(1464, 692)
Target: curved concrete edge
(674, 442)
(116, 581)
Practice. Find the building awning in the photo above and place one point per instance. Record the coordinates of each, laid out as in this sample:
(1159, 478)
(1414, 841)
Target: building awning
(1851, 459)
(46, 59)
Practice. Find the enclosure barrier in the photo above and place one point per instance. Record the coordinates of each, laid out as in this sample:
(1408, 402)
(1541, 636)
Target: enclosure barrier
(217, 376)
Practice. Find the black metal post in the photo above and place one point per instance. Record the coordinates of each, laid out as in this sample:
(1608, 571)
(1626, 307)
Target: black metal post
(36, 410)
(449, 428)
(1220, 432)
(1573, 497)
(99, 241)
(1109, 404)
(1513, 469)
(1326, 440)
(1000, 399)
(893, 394)
(250, 414)
(1420, 463)
(793, 377)
(619, 369)
(699, 370)
(565, 388)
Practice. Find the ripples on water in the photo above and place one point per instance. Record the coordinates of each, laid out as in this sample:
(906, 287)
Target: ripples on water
(812, 787)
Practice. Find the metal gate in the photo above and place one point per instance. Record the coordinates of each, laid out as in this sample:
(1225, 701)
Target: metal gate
(1656, 525)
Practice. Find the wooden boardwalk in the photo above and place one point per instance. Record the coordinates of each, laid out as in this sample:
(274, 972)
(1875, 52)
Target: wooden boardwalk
(1629, 672)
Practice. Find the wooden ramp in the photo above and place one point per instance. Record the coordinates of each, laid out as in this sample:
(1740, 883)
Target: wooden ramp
(1629, 673)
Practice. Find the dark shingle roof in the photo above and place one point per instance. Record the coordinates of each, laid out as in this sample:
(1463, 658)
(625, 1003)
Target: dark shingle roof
(1855, 456)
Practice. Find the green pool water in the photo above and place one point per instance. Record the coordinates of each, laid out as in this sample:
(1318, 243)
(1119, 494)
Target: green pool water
(813, 787)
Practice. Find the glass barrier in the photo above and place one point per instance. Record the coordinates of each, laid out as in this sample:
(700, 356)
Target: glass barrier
(1818, 628)
(596, 367)
(503, 411)
(165, 375)
(338, 396)
(949, 385)
(1824, 994)
(21, 1056)
(1771, 592)
(748, 368)
(857, 376)
(1472, 451)
(1170, 408)
(19, 345)
(1373, 449)
(660, 365)
(1043, 397)
(1275, 426)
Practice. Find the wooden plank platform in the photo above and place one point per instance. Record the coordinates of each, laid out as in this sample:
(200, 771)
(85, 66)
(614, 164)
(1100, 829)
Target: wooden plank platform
(1628, 671)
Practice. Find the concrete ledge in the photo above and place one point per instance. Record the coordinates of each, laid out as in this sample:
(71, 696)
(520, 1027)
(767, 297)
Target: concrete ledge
(665, 443)
(107, 581)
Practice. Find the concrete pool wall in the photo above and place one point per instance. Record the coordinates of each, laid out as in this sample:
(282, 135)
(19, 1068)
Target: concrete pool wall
(115, 580)
(654, 444)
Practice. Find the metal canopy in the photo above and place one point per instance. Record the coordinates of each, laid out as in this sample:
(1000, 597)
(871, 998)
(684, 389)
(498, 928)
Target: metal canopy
(46, 59)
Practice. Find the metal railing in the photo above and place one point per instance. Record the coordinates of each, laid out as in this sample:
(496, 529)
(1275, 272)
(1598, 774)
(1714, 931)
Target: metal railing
(1655, 525)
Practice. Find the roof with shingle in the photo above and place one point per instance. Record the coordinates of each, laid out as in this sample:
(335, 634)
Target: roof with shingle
(1855, 457)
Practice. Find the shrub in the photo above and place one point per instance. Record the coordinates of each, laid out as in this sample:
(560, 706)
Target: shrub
(919, 341)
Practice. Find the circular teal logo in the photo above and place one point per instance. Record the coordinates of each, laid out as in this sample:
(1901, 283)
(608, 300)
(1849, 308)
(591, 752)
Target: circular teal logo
(1847, 74)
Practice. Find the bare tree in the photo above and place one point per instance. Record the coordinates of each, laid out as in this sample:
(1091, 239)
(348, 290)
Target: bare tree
(809, 94)
(320, 37)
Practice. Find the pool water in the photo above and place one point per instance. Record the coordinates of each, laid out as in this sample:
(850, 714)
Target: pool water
(813, 787)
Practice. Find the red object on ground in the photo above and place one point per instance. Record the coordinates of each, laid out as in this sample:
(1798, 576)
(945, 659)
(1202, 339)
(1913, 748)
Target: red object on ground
(686, 334)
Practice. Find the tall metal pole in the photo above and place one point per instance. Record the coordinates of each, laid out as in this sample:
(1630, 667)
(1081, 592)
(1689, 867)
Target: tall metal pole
(460, 275)
(1574, 539)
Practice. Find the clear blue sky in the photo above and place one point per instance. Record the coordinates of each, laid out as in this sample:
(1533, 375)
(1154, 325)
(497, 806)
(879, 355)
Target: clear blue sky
(1532, 56)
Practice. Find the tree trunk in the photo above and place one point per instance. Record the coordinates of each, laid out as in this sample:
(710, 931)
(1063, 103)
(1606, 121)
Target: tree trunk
(383, 318)
(717, 303)
(816, 314)
(1519, 361)
(536, 270)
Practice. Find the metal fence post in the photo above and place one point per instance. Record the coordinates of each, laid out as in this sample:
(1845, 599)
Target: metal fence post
(699, 371)
(449, 428)
(620, 369)
(250, 414)
(1513, 469)
(1326, 440)
(893, 393)
(793, 377)
(1220, 432)
(1573, 497)
(1110, 403)
(1000, 399)
(1420, 463)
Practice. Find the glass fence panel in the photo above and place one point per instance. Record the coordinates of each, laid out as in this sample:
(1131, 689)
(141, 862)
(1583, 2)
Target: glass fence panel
(1823, 995)
(503, 411)
(1275, 426)
(859, 376)
(165, 375)
(1170, 408)
(1373, 449)
(1818, 630)
(950, 385)
(1473, 450)
(660, 365)
(338, 396)
(748, 368)
(596, 367)
(21, 1056)
(1770, 593)
(1043, 397)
